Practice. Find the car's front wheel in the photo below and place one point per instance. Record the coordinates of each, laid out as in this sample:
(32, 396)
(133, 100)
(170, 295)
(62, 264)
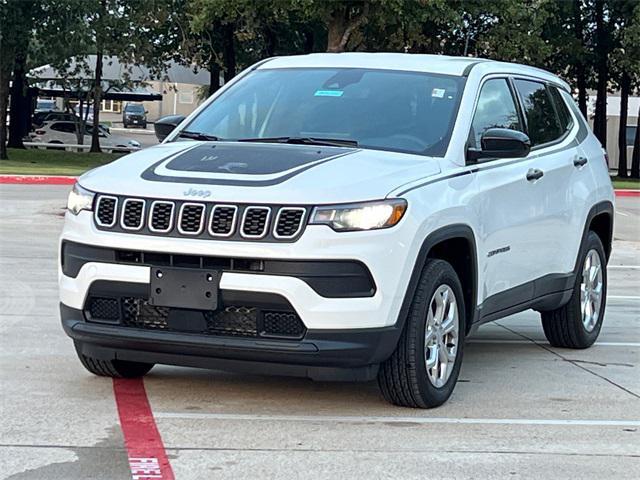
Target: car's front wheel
(112, 368)
(577, 324)
(423, 370)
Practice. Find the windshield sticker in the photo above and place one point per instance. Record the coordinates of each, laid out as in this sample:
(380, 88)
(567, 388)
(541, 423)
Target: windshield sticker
(328, 93)
(438, 93)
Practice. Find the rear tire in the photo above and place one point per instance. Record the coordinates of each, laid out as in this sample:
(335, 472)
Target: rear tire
(406, 379)
(577, 324)
(113, 368)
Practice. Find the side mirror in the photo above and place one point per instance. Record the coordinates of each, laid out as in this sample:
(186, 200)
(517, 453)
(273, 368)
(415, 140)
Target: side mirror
(146, 112)
(500, 143)
(165, 125)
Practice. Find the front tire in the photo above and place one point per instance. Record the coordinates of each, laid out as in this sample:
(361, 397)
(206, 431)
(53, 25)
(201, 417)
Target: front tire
(423, 370)
(577, 324)
(112, 368)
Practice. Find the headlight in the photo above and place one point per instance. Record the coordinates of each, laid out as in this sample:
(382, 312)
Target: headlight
(80, 199)
(360, 216)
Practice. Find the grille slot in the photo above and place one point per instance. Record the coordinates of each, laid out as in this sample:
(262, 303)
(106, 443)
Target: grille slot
(161, 216)
(289, 222)
(233, 321)
(132, 214)
(223, 220)
(255, 222)
(282, 324)
(191, 219)
(136, 312)
(104, 309)
(106, 211)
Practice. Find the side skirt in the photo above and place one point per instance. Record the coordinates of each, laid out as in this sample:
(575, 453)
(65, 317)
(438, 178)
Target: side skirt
(545, 293)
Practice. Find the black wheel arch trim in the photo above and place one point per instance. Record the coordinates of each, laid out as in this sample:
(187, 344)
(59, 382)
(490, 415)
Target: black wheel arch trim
(450, 232)
(604, 207)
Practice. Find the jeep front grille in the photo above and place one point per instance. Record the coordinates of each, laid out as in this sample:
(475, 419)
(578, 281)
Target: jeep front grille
(161, 216)
(223, 220)
(106, 211)
(132, 214)
(289, 222)
(202, 220)
(255, 222)
(191, 218)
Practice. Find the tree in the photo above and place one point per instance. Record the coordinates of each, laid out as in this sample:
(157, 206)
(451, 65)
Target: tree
(15, 28)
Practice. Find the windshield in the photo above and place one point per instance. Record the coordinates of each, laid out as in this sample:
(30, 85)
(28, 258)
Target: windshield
(134, 108)
(378, 109)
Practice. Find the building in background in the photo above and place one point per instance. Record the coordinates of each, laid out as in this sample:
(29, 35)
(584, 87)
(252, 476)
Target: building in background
(176, 90)
(613, 126)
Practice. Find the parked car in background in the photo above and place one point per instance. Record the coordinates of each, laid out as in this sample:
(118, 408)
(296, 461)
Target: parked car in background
(41, 117)
(134, 114)
(46, 105)
(64, 132)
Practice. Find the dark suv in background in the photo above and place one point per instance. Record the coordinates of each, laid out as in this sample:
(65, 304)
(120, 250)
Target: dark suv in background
(134, 114)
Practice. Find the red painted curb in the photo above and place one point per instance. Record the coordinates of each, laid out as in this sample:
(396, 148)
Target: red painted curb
(37, 180)
(627, 193)
(147, 457)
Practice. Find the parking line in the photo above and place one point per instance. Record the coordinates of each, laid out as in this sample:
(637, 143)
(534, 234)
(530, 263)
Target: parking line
(380, 419)
(624, 297)
(623, 267)
(543, 342)
(147, 456)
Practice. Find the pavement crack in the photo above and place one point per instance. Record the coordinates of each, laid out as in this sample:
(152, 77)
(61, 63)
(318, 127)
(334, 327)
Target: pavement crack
(573, 362)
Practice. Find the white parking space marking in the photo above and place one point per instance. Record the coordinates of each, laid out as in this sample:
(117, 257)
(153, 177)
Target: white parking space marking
(623, 267)
(380, 419)
(543, 342)
(624, 297)
(622, 213)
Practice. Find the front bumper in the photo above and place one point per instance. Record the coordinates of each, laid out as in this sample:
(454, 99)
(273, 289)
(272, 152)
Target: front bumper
(344, 338)
(320, 355)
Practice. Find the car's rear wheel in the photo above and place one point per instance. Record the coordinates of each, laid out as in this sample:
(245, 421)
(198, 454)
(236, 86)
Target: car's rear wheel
(112, 368)
(577, 324)
(423, 370)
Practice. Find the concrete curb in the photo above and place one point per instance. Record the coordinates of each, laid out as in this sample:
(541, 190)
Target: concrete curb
(627, 193)
(37, 180)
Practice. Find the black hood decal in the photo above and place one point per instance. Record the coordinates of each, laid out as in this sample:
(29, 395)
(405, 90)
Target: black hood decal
(251, 159)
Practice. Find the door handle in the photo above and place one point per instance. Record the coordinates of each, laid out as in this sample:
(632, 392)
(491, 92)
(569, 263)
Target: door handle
(580, 162)
(534, 174)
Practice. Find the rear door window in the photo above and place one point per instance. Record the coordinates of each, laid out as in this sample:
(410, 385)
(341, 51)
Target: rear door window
(543, 124)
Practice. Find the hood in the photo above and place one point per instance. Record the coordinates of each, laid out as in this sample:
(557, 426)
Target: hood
(259, 172)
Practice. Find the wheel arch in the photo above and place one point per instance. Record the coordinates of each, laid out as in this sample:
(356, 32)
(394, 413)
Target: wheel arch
(445, 244)
(599, 220)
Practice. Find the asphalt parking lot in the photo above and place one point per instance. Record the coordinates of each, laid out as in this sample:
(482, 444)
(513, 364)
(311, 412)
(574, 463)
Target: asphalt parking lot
(522, 409)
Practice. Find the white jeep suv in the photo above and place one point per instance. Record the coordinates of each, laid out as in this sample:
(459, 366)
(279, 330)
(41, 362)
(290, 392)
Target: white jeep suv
(344, 216)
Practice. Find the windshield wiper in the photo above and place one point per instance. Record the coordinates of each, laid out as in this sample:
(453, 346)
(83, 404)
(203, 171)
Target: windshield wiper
(197, 136)
(329, 142)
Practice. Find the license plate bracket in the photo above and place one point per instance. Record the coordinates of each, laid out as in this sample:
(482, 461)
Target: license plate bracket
(184, 288)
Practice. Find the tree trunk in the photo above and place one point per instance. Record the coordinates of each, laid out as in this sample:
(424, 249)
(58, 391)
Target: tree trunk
(602, 70)
(97, 99)
(625, 87)
(4, 96)
(214, 77)
(342, 24)
(20, 111)
(581, 76)
(635, 156)
(229, 51)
